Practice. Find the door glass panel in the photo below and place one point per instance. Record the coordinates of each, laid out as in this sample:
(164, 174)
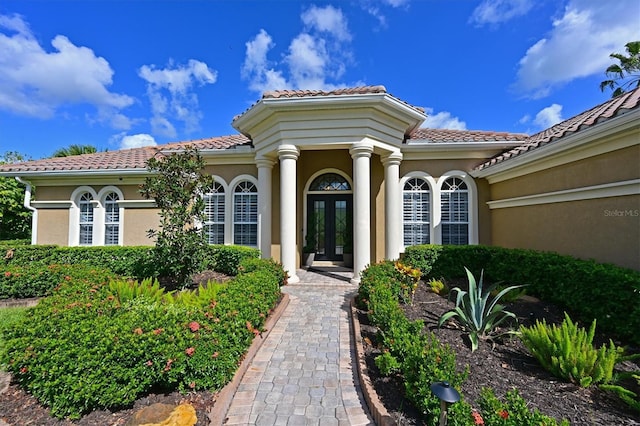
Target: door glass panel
(319, 216)
(341, 225)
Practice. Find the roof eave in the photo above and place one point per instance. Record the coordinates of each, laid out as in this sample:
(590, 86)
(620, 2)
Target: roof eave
(521, 164)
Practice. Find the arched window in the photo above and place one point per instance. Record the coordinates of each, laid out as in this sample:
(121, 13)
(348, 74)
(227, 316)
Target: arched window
(454, 199)
(111, 219)
(245, 214)
(214, 214)
(330, 182)
(85, 207)
(416, 212)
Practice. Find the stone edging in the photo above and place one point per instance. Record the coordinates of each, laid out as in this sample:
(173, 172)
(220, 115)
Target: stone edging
(379, 413)
(218, 413)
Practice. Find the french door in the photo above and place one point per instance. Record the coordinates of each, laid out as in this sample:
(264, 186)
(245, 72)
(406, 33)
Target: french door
(331, 215)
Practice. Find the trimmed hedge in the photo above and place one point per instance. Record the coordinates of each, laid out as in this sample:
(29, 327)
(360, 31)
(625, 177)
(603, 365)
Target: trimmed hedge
(25, 272)
(587, 289)
(81, 349)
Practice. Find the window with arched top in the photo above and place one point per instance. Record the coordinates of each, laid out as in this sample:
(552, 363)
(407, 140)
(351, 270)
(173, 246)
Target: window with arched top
(111, 219)
(416, 212)
(214, 209)
(245, 214)
(85, 207)
(330, 182)
(454, 210)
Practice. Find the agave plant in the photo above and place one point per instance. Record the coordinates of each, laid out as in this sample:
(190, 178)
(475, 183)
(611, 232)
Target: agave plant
(478, 312)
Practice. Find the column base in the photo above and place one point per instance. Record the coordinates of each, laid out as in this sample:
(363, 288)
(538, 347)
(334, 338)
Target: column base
(293, 279)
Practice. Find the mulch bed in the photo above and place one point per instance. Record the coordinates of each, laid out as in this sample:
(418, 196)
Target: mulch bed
(502, 366)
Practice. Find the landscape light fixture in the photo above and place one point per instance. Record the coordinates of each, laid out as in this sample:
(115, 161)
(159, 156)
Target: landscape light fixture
(447, 395)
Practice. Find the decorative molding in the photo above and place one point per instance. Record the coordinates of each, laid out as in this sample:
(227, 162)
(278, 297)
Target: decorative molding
(616, 189)
(63, 204)
(137, 204)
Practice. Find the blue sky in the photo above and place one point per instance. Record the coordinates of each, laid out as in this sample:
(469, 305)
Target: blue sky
(118, 74)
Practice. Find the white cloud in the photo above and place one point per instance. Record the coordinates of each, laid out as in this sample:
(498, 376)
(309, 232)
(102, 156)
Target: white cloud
(38, 83)
(256, 67)
(318, 54)
(578, 45)
(549, 116)
(443, 120)
(498, 11)
(375, 8)
(170, 91)
(327, 19)
(137, 141)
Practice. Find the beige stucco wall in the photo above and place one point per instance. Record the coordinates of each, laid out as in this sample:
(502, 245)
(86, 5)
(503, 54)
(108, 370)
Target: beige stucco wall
(607, 230)
(53, 227)
(619, 165)
(136, 224)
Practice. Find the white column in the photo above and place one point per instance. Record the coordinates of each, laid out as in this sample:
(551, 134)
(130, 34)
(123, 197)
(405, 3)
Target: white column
(361, 154)
(392, 205)
(288, 155)
(265, 166)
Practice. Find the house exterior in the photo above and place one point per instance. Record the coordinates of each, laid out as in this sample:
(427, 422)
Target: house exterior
(355, 167)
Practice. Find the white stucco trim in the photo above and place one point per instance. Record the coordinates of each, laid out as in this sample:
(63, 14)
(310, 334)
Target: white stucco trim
(228, 207)
(99, 218)
(56, 204)
(29, 206)
(473, 205)
(137, 204)
(433, 185)
(615, 189)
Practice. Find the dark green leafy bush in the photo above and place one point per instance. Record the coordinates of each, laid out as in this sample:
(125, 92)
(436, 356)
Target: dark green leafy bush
(227, 259)
(84, 348)
(251, 264)
(512, 412)
(416, 354)
(38, 280)
(585, 288)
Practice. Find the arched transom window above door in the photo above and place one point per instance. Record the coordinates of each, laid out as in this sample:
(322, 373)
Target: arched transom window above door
(330, 182)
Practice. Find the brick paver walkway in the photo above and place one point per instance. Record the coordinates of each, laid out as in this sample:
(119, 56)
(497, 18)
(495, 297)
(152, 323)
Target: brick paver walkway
(304, 372)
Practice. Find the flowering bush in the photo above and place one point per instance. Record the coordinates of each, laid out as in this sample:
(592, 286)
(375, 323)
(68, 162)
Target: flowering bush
(512, 412)
(82, 348)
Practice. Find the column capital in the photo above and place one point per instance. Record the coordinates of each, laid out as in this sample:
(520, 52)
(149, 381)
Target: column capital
(288, 152)
(361, 149)
(392, 159)
(264, 162)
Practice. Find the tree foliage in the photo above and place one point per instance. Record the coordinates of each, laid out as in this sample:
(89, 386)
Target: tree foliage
(177, 185)
(75, 150)
(624, 76)
(15, 219)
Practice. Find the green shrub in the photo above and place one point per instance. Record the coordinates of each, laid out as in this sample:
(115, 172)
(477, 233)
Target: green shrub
(227, 259)
(82, 349)
(251, 264)
(513, 412)
(478, 311)
(567, 352)
(38, 280)
(416, 354)
(585, 288)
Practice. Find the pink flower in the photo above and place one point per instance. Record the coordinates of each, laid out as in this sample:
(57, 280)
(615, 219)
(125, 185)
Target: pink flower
(504, 414)
(477, 418)
(138, 331)
(158, 331)
(192, 385)
(7, 274)
(149, 363)
(23, 370)
(190, 351)
(194, 326)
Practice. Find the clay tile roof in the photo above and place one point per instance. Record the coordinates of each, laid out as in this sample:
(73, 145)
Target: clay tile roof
(612, 108)
(130, 159)
(425, 135)
(363, 90)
